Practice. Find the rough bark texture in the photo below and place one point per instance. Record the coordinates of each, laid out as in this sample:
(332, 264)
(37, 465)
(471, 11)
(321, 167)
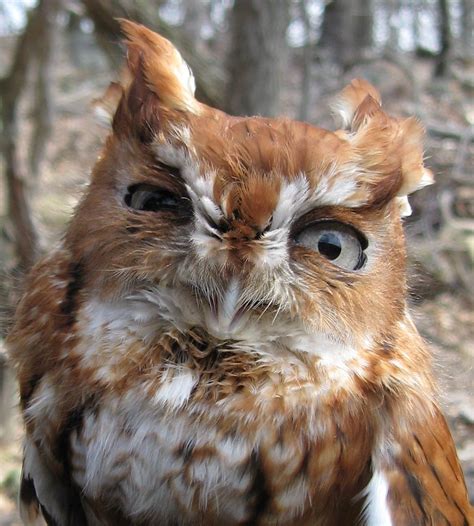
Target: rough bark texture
(257, 57)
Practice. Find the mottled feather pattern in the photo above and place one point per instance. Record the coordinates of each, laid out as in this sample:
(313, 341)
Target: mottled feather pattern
(185, 359)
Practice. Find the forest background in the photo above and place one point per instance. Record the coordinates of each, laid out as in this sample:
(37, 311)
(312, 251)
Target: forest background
(267, 57)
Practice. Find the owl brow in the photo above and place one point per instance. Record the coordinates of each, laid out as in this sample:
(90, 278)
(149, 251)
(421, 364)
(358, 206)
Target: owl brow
(168, 169)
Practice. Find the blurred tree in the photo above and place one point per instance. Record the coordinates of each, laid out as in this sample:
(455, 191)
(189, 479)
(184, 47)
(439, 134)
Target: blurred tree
(346, 30)
(41, 27)
(257, 57)
(11, 89)
(467, 29)
(335, 30)
(194, 20)
(308, 52)
(43, 100)
(391, 10)
(104, 14)
(362, 26)
(444, 19)
(415, 8)
(12, 86)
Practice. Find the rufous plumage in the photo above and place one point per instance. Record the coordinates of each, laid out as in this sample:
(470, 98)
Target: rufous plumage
(223, 336)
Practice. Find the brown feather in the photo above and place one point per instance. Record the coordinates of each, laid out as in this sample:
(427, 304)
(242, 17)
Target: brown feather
(184, 358)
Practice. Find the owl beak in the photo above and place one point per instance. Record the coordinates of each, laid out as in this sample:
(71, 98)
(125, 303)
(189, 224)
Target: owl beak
(227, 317)
(238, 228)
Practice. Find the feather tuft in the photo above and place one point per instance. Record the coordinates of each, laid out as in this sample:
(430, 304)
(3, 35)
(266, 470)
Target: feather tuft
(165, 71)
(351, 99)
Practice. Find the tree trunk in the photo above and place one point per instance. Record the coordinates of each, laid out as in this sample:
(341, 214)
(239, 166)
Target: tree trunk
(467, 29)
(19, 212)
(305, 101)
(104, 14)
(43, 103)
(193, 22)
(415, 20)
(362, 26)
(442, 63)
(107, 28)
(392, 9)
(336, 30)
(347, 30)
(257, 57)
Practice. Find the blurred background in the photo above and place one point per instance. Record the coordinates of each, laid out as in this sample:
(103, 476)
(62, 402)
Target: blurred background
(268, 57)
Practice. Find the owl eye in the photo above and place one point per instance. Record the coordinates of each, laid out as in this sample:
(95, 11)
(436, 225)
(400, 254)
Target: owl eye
(151, 199)
(341, 244)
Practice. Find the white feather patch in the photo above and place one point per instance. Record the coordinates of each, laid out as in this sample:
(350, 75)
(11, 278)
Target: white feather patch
(404, 205)
(376, 512)
(293, 195)
(175, 391)
(342, 109)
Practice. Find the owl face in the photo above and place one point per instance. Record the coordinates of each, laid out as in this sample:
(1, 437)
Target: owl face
(249, 228)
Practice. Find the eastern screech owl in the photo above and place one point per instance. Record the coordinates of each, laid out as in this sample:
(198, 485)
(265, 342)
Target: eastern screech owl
(223, 336)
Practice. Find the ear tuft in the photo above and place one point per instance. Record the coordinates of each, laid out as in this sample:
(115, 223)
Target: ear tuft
(165, 72)
(356, 100)
(415, 175)
(389, 151)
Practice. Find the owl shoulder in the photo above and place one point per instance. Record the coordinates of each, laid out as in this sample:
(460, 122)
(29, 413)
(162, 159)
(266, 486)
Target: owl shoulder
(44, 318)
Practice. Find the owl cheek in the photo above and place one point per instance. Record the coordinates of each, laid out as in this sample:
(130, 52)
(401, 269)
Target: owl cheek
(269, 259)
(252, 257)
(209, 250)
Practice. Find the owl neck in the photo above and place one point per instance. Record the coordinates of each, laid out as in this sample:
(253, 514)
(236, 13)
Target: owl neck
(287, 355)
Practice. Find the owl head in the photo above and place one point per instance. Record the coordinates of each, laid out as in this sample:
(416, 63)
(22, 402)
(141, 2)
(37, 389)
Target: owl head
(247, 227)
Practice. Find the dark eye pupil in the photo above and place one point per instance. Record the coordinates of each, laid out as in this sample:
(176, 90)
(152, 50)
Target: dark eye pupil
(329, 245)
(159, 201)
(151, 199)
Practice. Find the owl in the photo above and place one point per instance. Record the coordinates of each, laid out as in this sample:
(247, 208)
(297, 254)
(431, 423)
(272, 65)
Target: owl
(222, 337)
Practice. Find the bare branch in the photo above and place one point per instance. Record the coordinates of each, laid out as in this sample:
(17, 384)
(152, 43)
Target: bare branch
(209, 78)
(43, 104)
(12, 86)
